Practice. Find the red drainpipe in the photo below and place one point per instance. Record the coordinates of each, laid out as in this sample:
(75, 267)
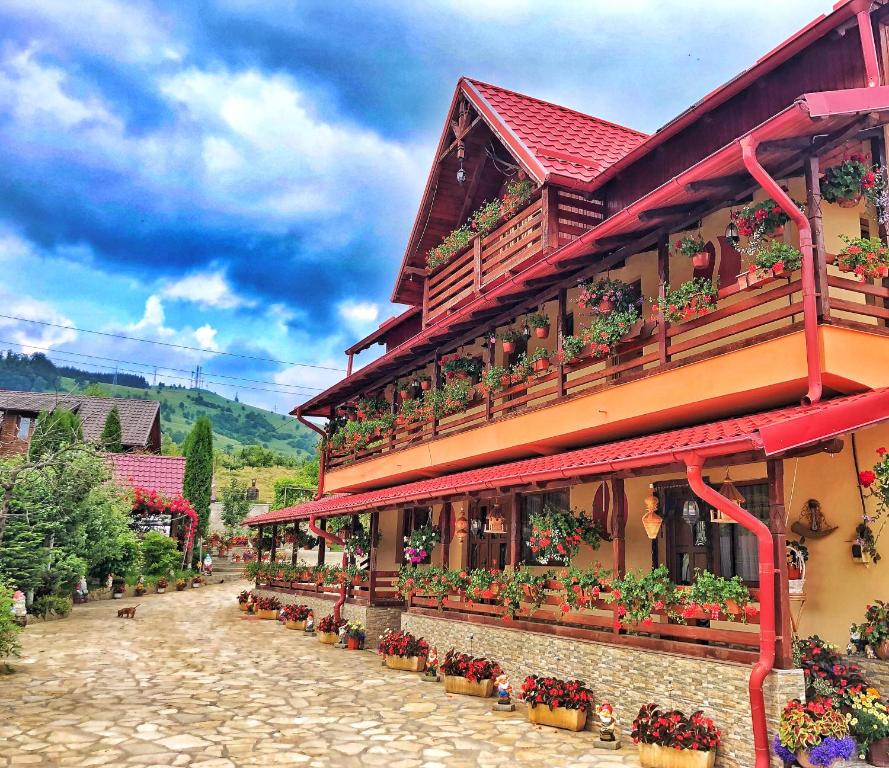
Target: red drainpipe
(331, 539)
(868, 47)
(810, 311)
(694, 462)
(322, 463)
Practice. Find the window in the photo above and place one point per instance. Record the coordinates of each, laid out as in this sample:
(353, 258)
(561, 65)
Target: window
(738, 555)
(415, 518)
(24, 428)
(533, 504)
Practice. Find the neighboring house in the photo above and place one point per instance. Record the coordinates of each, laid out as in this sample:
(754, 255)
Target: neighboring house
(163, 474)
(657, 418)
(139, 419)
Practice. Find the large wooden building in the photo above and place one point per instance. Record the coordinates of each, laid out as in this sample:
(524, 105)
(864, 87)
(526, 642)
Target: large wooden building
(744, 420)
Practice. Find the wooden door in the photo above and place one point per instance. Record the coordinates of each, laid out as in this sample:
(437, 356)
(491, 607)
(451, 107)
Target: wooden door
(486, 549)
(689, 547)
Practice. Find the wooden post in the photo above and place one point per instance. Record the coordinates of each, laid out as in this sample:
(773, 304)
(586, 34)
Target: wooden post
(561, 314)
(515, 531)
(878, 156)
(477, 263)
(447, 531)
(550, 217)
(274, 549)
(813, 206)
(489, 397)
(372, 559)
(294, 555)
(777, 524)
(260, 529)
(322, 524)
(618, 529)
(436, 383)
(663, 276)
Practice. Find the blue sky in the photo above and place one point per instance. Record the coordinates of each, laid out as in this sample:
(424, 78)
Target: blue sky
(241, 176)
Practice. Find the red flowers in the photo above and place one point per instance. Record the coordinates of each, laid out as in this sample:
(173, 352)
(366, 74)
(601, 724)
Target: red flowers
(552, 692)
(402, 644)
(867, 478)
(673, 729)
(458, 664)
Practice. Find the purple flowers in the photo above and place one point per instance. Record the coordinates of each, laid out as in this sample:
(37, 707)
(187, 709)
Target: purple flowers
(829, 750)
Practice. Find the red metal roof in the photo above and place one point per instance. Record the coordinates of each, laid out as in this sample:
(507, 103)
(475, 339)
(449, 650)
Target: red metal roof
(566, 144)
(771, 432)
(163, 474)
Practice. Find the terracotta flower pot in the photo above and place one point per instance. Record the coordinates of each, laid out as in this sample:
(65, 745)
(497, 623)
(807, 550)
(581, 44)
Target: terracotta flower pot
(849, 202)
(794, 572)
(701, 260)
(328, 638)
(353, 643)
(405, 394)
(506, 381)
(560, 717)
(295, 624)
(878, 753)
(882, 650)
(406, 663)
(605, 306)
(480, 688)
(425, 385)
(273, 615)
(509, 347)
(542, 333)
(244, 606)
(541, 365)
(656, 756)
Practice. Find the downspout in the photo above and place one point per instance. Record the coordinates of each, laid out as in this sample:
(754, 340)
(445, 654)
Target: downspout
(322, 462)
(694, 463)
(331, 539)
(810, 312)
(868, 47)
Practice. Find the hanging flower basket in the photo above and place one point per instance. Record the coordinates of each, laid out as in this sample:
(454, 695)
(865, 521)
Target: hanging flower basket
(509, 347)
(540, 323)
(701, 260)
(425, 384)
(694, 248)
(605, 306)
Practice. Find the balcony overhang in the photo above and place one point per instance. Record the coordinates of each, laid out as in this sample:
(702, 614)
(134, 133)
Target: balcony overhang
(812, 123)
(769, 433)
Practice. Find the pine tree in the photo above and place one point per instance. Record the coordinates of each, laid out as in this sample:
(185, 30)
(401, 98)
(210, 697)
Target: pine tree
(112, 433)
(198, 481)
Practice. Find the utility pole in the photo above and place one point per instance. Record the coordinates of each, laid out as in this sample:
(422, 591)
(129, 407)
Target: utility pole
(154, 383)
(114, 380)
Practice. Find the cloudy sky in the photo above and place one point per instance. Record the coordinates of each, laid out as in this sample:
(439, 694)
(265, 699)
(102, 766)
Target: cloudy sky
(241, 176)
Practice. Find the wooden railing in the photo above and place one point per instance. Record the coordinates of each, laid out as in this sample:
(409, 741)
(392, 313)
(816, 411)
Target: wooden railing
(863, 306)
(552, 218)
(742, 318)
(728, 641)
(378, 588)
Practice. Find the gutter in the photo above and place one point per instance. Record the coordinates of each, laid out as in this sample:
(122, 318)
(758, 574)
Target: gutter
(861, 8)
(748, 145)
(331, 539)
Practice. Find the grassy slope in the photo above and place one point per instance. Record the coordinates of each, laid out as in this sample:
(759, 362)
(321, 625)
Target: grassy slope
(265, 479)
(234, 424)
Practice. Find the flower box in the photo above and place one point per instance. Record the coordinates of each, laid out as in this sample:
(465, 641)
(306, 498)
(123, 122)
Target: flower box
(328, 638)
(758, 278)
(266, 614)
(244, 606)
(560, 717)
(354, 643)
(481, 688)
(406, 663)
(656, 756)
(295, 625)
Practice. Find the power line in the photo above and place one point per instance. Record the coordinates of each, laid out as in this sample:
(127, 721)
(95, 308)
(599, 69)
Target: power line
(157, 368)
(170, 344)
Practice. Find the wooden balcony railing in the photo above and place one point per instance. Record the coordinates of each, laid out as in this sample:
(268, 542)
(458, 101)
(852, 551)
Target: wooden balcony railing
(552, 218)
(697, 637)
(742, 318)
(853, 304)
(378, 588)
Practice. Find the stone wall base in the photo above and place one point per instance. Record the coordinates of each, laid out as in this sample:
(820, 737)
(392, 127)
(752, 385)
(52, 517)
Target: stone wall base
(627, 677)
(377, 619)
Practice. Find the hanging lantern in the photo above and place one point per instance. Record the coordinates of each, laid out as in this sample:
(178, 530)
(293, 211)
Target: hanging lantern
(495, 520)
(651, 520)
(732, 234)
(461, 527)
(730, 492)
(691, 513)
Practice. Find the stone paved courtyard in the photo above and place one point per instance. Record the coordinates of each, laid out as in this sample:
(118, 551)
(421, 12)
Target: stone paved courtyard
(191, 682)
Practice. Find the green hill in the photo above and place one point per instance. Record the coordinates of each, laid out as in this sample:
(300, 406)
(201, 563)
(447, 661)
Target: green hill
(234, 424)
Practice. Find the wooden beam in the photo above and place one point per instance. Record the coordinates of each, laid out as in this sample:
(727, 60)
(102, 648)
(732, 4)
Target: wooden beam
(322, 544)
(470, 190)
(294, 555)
(515, 531)
(274, 550)
(718, 183)
(663, 274)
(793, 142)
(453, 145)
(668, 211)
(447, 529)
(618, 240)
(777, 524)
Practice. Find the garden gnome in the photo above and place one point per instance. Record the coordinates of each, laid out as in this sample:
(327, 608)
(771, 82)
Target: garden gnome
(19, 605)
(607, 721)
(504, 689)
(432, 662)
(310, 622)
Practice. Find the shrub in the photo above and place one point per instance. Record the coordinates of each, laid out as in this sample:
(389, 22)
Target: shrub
(52, 605)
(9, 628)
(160, 554)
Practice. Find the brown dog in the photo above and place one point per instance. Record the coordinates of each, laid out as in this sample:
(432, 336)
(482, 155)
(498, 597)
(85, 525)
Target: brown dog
(128, 613)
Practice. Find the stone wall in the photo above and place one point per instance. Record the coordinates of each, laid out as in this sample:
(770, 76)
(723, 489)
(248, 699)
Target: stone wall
(376, 619)
(875, 671)
(627, 677)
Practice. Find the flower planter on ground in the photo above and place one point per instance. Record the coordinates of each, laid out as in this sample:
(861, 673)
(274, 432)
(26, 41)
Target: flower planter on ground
(656, 756)
(481, 688)
(328, 638)
(295, 625)
(266, 614)
(878, 753)
(354, 643)
(560, 717)
(406, 663)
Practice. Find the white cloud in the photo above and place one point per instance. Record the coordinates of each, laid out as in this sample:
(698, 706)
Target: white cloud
(359, 311)
(206, 337)
(207, 289)
(31, 337)
(154, 315)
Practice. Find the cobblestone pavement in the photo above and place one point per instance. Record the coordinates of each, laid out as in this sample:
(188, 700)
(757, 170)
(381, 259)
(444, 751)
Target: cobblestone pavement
(192, 682)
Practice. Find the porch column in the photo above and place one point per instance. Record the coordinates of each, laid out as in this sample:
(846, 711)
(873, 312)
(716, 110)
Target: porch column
(515, 531)
(777, 524)
(436, 382)
(322, 524)
(372, 557)
(294, 555)
(260, 530)
(813, 207)
(561, 316)
(354, 527)
(274, 549)
(447, 529)
(878, 155)
(618, 529)
(663, 276)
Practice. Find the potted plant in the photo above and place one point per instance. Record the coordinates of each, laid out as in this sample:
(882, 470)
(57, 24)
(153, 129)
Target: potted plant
(425, 382)
(813, 733)
(691, 299)
(869, 723)
(355, 634)
(495, 378)
(510, 338)
(866, 258)
(245, 597)
(539, 360)
(694, 248)
(181, 584)
(776, 259)
(402, 650)
(846, 182)
(160, 586)
(717, 597)
(405, 392)
(639, 595)
(419, 545)
(763, 219)
(539, 322)
(469, 676)
(556, 534)
(460, 366)
(329, 629)
(483, 584)
(605, 295)
(797, 557)
(557, 703)
(295, 616)
(118, 587)
(873, 632)
(669, 739)
(140, 589)
(266, 607)
(197, 581)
